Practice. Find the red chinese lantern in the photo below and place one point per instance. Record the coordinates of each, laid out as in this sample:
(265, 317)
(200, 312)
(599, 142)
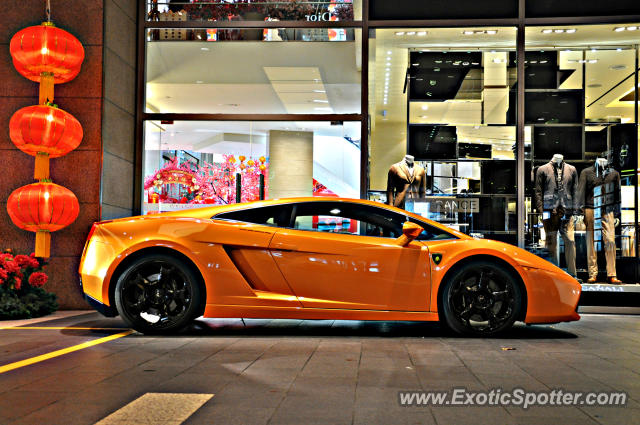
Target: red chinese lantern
(42, 207)
(47, 55)
(44, 132)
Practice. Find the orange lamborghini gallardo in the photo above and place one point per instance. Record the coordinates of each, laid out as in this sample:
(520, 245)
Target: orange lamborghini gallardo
(315, 258)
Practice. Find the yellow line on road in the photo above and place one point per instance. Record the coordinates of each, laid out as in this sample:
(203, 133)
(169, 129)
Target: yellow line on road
(32, 360)
(60, 328)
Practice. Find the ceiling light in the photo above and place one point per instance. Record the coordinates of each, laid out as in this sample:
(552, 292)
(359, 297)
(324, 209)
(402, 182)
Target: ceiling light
(421, 33)
(593, 60)
(319, 91)
(547, 31)
(497, 61)
(320, 101)
(199, 82)
(467, 32)
(619, 49)
(400, 33)
(543, 61)
(388, 52)
(593, 50)
(618, 29)
(632, 28)
(411, 33)
(570, 30)
(557, 31)
(425, 107)
(492, 32)
(205, 49)
(415, 64)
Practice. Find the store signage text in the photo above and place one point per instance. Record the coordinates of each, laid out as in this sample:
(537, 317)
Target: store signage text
(326, 16)
(453, 205)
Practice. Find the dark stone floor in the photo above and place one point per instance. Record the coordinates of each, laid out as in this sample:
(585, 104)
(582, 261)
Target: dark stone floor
(334, 372)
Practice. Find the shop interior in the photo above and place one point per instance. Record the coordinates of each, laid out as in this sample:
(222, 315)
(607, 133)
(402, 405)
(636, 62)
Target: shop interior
(447, 97)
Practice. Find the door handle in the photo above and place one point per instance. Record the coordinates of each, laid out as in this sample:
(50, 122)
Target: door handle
(281, 246)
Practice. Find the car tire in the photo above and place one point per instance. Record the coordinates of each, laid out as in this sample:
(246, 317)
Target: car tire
(481, 298)
(158, 294)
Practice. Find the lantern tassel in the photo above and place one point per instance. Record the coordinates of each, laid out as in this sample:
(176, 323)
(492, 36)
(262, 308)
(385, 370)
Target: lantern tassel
(41, 171)
(43, 244)
(46, 88)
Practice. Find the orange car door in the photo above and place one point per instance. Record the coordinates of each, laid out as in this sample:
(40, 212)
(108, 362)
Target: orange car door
(333, 270)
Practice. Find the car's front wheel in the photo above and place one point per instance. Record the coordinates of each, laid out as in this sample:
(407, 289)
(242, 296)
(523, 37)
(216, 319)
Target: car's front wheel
(481, 298)
(157, 294)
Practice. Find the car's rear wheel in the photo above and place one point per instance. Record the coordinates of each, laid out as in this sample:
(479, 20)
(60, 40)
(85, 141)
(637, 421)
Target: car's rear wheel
(481, 298)
(157, 294)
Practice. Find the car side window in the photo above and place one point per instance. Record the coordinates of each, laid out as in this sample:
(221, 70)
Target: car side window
(348, 218)
(274, 215)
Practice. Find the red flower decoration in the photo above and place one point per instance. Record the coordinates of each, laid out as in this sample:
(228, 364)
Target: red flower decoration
(3, 275)
(38, 279)
(11, 267)
(17, 283)
(26, 261)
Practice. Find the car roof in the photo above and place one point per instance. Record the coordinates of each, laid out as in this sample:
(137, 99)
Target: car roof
(209, 212)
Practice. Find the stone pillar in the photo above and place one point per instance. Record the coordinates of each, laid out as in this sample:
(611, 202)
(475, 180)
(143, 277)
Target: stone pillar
(290, 164)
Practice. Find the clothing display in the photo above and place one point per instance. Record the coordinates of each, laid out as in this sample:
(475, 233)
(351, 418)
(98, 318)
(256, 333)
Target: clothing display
(559, 221)
(405, 183)
(556, 186)
(555, 190)
(606, 182)
(608, 239)
(592, 177)
(628, 245)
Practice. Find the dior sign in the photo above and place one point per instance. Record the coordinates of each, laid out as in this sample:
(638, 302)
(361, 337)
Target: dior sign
(326, 16)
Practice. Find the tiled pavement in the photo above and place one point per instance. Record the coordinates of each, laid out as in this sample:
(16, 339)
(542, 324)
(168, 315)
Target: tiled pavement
(334, 372)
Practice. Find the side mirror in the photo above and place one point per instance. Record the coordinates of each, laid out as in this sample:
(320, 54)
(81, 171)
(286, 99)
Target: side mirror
(410, 231)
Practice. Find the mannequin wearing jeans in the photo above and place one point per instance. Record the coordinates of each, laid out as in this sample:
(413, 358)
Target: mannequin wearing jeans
(590, 178)
(556, 185)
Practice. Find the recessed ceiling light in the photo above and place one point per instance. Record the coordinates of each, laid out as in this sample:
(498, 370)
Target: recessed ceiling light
(558, 30)
(205, 49)
(619, 49)
(425, 107)
(388, 52)
(319, 91)
(421, 33)
(320, 101)
(547, 31)
(570, 30)
(199, 82)
(632, 28)
(592, 60)
(492, 32)
(618, 29)
(399, 32)
(543, 61)
(415, 64)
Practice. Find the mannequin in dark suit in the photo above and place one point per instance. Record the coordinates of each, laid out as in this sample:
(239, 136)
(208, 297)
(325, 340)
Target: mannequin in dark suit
(406, 181)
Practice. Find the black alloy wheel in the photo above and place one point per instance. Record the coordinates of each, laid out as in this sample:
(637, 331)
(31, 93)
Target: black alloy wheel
(481, 298)
(157, 294)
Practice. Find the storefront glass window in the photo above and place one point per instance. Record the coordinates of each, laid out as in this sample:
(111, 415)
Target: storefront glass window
(254, 71)
(254, 10)
(446, 97)
(190, 164)
(582, 161)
